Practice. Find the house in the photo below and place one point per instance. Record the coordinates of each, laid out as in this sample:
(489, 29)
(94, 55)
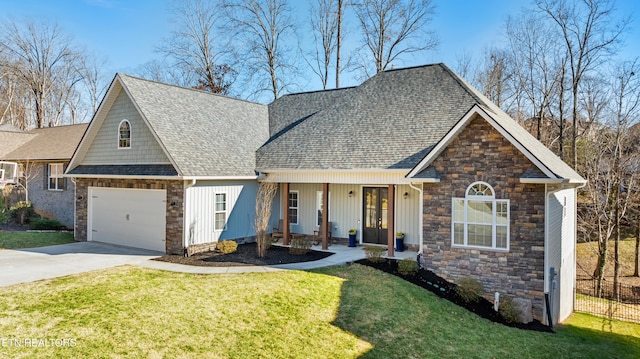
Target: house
(420, 151)
(42, 155)
(167, 168)
(414, 150)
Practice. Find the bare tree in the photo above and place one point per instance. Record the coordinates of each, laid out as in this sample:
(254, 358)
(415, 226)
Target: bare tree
(611, 167)
(262, 27)
(590, 35)
(535, 64)
(264, 199)
(392, 28)
(324, 23)
(192, 49)
(44, 61)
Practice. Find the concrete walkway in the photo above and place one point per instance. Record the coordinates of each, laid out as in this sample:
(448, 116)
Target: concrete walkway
(28, 265)
(342, 255)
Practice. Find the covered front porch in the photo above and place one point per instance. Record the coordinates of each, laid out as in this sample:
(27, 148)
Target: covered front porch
(327, 212)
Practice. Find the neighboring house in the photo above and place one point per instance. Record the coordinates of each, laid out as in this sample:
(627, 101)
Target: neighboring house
(167, 168)
(42, 155)
(420, 151)
(413, 150)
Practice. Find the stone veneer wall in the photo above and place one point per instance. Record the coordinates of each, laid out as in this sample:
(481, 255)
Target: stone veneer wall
(480, 153)
(175, 213)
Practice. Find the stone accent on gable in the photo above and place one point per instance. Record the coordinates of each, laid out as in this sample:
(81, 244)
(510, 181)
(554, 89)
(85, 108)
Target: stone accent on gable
(480, 153)
(175, 212)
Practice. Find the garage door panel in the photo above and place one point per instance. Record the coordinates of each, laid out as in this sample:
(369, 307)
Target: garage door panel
(130, 217)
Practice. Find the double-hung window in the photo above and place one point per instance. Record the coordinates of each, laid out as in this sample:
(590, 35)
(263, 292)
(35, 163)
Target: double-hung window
(293, 206)
(55, 179)
(220, 211)
(479, 219)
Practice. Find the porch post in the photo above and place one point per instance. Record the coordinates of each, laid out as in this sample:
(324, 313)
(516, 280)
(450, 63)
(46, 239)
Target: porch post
(325, 216)
(391, 225)
(286, 220)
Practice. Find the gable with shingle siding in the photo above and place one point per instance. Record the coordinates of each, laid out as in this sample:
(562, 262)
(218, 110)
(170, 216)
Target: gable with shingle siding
(144, 147)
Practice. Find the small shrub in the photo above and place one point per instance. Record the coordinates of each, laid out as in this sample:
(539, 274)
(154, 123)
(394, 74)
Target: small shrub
(374, 253)
(470, 290)
(46, 224)
(300, 246)
(22, 211)
(4, 210)
(508, 310)
(226, 246)
(407, 267)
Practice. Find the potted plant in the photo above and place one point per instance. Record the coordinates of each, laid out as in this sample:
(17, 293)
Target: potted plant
(352, 237)
(399, 241)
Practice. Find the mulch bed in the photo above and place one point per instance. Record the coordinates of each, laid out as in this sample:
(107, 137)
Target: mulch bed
(444, 289)
(246, 255)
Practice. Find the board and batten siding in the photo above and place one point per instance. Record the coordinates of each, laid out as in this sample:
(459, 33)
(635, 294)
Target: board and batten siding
(144, 146)
(200, 205)
(346, 212)
(561, 251)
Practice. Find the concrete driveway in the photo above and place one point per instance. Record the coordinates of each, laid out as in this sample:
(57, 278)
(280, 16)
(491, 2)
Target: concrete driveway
(28, 265)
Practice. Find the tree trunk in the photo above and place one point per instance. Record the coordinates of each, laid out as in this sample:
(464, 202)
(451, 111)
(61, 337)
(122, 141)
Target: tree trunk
(637, 261)
(616, 251)
(338, 43)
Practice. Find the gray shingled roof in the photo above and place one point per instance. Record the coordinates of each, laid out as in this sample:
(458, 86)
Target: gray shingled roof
(128, 170)
(204, 134)
(390, 121)
(11, 140)
(49, 143)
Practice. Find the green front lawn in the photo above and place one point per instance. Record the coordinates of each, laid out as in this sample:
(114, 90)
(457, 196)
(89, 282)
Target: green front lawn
(19, 239)
(336, 312)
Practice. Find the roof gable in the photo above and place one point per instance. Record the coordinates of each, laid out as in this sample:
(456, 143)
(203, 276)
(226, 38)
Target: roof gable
(201, 134)
(542, 158)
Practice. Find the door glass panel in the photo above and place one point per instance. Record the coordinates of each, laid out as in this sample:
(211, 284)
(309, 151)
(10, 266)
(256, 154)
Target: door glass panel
(385, 207)
(371, 213)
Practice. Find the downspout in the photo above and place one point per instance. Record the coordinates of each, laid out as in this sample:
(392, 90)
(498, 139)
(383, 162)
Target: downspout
(185, 217)
(420, 219)
(75, 203)
(546, 254)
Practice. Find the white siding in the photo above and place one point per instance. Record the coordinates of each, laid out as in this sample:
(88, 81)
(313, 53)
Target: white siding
(144, 147)
(561, 251)
(345, 177)
(199, 211)
(346, 212)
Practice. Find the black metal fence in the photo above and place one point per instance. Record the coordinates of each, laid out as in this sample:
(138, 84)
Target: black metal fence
(623, 306)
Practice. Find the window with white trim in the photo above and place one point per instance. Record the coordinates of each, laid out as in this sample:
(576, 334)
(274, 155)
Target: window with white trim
(220, 212)
(319, 207)
(124, 134)
(55, 179)
(479, 220)
(293, 206)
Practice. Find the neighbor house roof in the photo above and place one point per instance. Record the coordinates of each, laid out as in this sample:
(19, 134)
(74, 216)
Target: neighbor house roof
(46, 144)
(202, 134)
(391, 121)
(11, 140)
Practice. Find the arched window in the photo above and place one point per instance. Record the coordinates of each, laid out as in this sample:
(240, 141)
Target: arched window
(124, 134)
(479, 219)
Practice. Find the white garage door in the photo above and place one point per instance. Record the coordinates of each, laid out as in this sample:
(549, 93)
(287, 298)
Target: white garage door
(128, 217)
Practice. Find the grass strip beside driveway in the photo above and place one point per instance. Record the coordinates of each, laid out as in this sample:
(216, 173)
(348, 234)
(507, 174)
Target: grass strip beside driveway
(20, 239)
(335, 312)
